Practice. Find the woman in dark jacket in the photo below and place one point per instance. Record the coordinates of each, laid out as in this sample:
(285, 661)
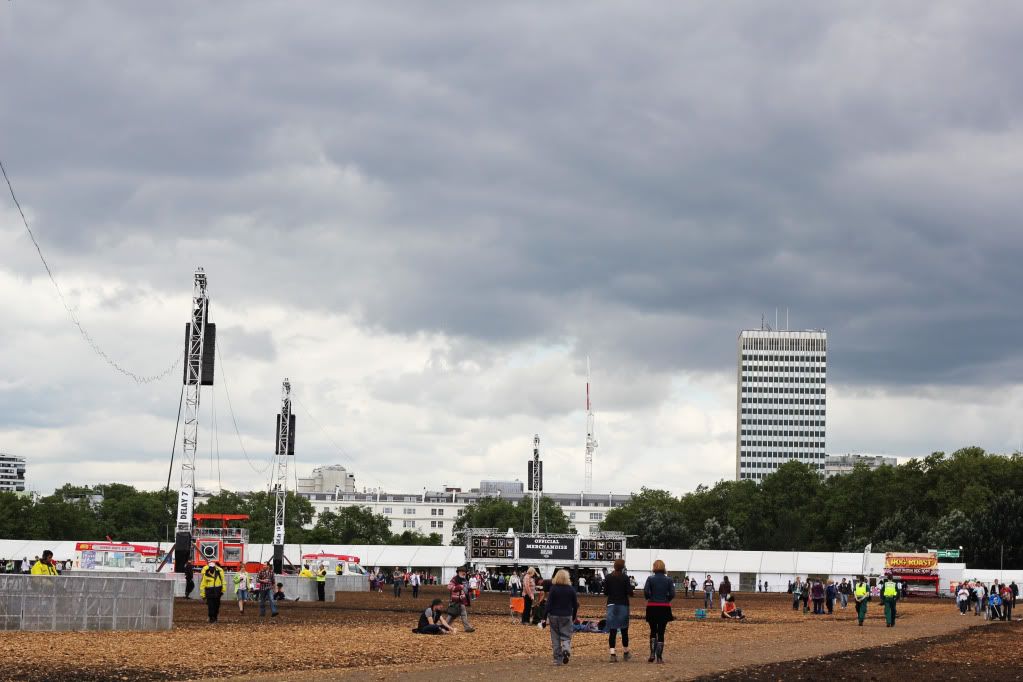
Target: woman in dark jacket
(659, 591)
(562, 606)
(618, 590)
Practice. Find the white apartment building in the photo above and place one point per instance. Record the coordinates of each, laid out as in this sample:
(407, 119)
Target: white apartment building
(781, 400)
(436, 511)
(836, 465)
(12, 473)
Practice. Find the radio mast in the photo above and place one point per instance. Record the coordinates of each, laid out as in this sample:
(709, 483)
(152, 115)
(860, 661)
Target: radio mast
(279, 482)
(591, 436)
(200, 340)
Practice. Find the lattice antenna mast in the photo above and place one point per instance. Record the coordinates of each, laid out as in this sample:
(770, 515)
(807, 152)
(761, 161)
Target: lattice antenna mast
(591, 436)
(200, 339)
(536, 482)
(279, 483)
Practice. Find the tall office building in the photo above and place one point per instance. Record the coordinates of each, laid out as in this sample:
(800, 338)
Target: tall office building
(12, 473)
(781, 400)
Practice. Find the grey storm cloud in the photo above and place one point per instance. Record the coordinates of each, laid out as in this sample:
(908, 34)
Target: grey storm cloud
(641, 180)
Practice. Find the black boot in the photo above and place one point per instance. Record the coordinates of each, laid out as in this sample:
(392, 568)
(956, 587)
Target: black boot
(653, 649)
(660, 652)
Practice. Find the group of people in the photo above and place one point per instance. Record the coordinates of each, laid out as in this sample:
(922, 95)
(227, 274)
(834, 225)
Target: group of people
(262, 588)
(26, 566)
(823, 594)
(996, 601)
(400, 579)
(554, 604)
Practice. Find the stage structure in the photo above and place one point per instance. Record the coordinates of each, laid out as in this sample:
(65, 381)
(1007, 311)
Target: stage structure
(200, 343)
(591, 436)
(534, 474)
(279, 483)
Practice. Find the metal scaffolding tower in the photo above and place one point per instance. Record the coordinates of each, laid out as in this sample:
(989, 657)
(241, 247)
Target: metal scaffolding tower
(279, 481)
(195, 352)
(536, 482)
(591, 437)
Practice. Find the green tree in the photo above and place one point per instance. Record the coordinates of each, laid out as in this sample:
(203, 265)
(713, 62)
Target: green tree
(17, 516)
(717, 536)
(952, 530)
(351, 526)
(497, 512)
(414, 537)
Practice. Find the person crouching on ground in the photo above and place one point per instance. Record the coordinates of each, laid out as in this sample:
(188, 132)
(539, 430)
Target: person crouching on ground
(430, 621)
(211, 588)
(659, 590)
(729, 610)
(562, 606)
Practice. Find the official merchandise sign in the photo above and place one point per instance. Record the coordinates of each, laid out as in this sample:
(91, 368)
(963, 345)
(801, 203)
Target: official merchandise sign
(556, 548)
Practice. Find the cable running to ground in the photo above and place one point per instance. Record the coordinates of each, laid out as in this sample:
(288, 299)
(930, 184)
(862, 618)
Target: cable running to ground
(137, 378)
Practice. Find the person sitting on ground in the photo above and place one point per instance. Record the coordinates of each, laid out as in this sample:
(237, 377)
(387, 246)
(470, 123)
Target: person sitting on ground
(430, 621)
(729, 610)
(279, 593)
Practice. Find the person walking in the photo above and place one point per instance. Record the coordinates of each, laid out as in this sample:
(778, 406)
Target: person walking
(528, 594)
(708, 592)
(724, 589)
(321, 582)
(398, 579)
(862, 595)
(844, 590)
(189, 579)
(830, 592)
(659, 591)
(458, 588)
(211, 588)
(562, 606)
(265, 583)
(685, 585)
(889, 595)
(45, 565)
(963, 598)
(241, 587)
(692, 586)
(414, 583)
(796, 589)
(618, 589)
(817, 593)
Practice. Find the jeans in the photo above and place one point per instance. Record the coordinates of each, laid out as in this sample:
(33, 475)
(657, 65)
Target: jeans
(266, 595)
(843, 598)
(464, 615)
(415, 590)
(708, 599)
(561, 636)
(397, 588)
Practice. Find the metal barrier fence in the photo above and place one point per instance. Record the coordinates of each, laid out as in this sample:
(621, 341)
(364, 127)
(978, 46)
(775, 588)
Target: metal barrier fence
(62, 603)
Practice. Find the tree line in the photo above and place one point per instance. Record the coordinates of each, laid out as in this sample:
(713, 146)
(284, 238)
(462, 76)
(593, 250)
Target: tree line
(969, 499)
(124, 513)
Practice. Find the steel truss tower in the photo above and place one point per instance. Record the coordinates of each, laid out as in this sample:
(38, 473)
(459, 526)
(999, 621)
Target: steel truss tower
(536, 483)
(591, 437)
(195, 341)
(279, 482)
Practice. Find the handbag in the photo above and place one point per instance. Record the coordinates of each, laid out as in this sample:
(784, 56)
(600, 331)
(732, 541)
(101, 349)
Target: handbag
(455, 608)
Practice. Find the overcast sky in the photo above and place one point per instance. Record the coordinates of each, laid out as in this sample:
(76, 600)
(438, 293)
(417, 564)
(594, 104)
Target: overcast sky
(427, 215)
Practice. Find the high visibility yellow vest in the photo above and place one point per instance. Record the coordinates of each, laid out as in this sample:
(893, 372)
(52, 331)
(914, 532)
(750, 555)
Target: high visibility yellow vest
(861, 590)
(889, 589)
(321, 575)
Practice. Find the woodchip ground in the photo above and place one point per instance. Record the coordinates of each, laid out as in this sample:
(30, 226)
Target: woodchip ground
(368, 637)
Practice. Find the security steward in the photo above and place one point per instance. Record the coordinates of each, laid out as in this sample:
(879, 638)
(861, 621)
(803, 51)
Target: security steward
(211, 588)
(305, 572)
(321, 581)
(45, 565)
(889, 595)
(861, 593)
